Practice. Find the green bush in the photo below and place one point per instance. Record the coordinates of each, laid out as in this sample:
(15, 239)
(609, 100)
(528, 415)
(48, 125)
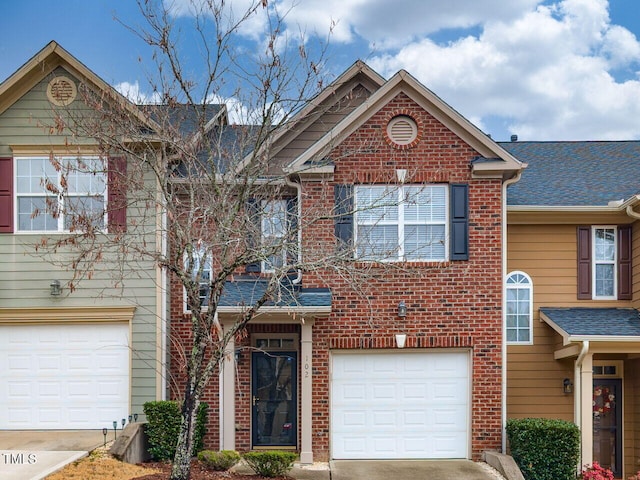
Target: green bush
(219, 461)
(270, 463)
(163, 425)
(544, 449)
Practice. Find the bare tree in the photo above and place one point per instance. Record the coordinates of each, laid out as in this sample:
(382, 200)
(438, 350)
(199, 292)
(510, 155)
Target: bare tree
(204, 199)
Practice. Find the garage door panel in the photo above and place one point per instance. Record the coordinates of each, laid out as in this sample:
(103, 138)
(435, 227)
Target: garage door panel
(73, 376)
(399, 405)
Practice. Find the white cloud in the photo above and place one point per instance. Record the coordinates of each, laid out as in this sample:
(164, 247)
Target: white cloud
(544, 69)
(547, 74)
(133, 92)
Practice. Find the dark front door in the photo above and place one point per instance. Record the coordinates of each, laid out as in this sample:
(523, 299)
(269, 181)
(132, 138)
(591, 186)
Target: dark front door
(607, 424)
(274, 398)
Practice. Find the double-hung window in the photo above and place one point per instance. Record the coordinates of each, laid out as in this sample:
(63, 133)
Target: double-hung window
(199, 263)
(401, 223)
(519, 306)
(274, 226)
(60, 194)
(604, 262)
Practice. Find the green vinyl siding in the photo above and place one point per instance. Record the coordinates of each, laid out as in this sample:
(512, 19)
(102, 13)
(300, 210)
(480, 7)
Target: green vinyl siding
(25, 275)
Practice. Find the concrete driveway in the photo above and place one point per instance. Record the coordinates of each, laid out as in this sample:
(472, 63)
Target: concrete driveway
(32, 455)
(410, 470)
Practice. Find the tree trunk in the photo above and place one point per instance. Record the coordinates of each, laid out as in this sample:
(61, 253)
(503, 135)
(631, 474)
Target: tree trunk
(181, 468)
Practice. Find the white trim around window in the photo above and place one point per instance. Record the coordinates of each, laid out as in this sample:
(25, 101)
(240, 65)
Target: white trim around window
(604, 255)
(519, 308)
(82, 180)
(402, 222)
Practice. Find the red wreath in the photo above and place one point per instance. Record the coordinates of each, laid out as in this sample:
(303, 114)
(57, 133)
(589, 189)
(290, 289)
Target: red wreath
(602, 400)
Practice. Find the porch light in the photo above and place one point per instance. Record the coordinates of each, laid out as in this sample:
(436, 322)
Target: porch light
(567, 386)
(402, 309)
(56, 289)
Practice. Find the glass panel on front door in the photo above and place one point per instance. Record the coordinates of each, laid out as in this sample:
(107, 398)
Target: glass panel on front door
(607, 424)
(274, 398)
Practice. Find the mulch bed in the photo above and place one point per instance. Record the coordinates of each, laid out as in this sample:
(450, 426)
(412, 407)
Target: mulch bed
(198, 472)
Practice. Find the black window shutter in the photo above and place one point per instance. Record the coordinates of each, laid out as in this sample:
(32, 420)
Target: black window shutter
(459, 229)
(343, 211)
(624, 262)
(254, 233)
(292, 225)
(584, 263)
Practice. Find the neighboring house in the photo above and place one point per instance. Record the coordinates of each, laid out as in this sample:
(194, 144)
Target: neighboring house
(407, 364)
(68, 360)
(573, 292)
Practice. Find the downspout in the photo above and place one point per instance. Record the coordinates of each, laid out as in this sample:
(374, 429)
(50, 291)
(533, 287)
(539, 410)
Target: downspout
(298, 188)
(505, 184)
(632, 213)
(577, 390)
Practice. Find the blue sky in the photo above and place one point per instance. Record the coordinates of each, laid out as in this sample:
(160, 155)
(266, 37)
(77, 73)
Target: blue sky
(544, 70)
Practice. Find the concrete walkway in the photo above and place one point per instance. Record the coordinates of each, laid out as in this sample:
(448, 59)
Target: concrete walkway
(32, 455)
(409, 470)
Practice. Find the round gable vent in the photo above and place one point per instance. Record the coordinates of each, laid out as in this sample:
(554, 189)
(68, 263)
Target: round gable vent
(61, 91)
(402, 130)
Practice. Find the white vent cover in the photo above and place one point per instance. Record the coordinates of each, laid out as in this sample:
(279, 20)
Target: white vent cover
(61, 91)
(402, 130)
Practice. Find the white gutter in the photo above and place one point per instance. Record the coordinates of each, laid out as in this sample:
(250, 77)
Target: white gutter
(505, 184)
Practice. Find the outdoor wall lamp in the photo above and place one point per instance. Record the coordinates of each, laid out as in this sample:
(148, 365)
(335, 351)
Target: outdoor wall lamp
(567, 386)
(402, 309)
(238, 355)
(56, 289)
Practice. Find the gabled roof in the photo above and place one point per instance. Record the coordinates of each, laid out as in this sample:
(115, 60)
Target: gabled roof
(46, 61)
(575, 174)
(357, 74)
(496, 160)
(594, 324)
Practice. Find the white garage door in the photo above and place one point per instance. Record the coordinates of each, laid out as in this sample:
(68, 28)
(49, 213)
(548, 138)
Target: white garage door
(63, 376)
(400, 405)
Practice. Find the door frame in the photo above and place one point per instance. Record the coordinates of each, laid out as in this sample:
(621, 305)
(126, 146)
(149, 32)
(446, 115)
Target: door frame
(617, 376)
(290, 344)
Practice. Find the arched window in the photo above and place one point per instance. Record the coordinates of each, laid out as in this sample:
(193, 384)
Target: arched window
(519, 291)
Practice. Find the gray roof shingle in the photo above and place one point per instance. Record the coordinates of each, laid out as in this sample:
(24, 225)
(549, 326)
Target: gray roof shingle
(575, 173)
(248, 292)
(607, 322)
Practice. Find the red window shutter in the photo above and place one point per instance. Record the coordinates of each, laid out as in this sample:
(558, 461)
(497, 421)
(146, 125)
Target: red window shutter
(584, 263)
(117, 188)
(624, 262)
(6, 195)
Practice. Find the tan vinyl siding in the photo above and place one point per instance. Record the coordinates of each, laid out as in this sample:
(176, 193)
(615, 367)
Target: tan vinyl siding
(547, 253)
(25, 275)
(328, 115)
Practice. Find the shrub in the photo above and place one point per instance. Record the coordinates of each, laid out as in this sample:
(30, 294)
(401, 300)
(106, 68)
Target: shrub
(219, 461)
(544, 449)
(596, 472)
(163, 425)
(270, 463)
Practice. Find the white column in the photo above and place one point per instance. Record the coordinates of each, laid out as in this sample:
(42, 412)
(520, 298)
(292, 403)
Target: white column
(586, 409)
(227, 398)
(306, 424)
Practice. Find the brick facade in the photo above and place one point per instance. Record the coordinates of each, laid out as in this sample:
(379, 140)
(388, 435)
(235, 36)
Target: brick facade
(454, 304)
